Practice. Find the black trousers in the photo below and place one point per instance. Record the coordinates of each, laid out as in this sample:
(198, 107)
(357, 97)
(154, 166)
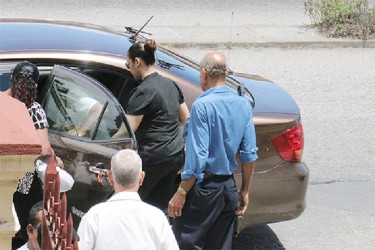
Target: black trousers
(208, 217)
(23, 204)
(159, 184)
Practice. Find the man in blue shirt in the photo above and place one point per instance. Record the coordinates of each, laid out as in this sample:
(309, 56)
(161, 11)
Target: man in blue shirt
(205, 205)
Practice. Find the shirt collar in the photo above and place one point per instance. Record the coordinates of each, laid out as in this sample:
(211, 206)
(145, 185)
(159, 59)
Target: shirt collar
(125, 195)
(215, 90)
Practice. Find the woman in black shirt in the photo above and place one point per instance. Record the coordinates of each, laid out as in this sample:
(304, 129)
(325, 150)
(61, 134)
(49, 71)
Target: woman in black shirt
(155, 110)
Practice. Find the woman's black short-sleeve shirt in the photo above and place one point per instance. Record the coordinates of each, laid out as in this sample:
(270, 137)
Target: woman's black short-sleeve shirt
(158, 99)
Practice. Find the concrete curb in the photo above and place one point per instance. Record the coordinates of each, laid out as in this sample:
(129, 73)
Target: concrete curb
(280, 44)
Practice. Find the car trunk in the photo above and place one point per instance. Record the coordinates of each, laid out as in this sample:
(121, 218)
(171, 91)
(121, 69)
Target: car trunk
(275, 112)
(275, 180)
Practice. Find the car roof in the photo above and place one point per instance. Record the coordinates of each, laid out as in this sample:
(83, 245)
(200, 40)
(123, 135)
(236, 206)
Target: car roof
(26, 35)
(17, 35)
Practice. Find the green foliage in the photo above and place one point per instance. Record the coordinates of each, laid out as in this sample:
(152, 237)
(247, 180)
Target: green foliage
(342, 18)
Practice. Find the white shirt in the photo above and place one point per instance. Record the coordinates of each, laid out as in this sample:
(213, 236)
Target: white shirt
(24, 247)
(84, 104)
(125, 222)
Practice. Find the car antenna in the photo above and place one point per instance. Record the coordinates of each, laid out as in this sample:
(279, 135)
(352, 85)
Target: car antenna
(136, 32)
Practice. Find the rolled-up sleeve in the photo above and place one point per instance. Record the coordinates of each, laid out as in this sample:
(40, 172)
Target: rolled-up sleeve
(197, 142)
(248, 148)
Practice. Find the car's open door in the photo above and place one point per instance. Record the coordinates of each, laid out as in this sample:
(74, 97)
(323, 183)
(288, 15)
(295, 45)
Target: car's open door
(87, 126)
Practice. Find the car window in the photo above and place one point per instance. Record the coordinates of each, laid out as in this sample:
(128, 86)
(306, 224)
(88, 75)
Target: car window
(4, 81)
(5, 74)
(78, 108)
(120, 84)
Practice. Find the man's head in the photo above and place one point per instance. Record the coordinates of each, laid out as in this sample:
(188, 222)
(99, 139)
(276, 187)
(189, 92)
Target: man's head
(34, 222)
(126, 171)
(213, 69)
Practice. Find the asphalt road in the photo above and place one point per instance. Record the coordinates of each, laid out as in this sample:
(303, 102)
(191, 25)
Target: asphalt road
(334, 89)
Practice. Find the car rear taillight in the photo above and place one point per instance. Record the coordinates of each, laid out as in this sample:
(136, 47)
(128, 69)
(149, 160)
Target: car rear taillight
(289, 144)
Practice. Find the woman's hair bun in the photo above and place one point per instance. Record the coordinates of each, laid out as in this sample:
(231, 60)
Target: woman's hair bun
(150, 46)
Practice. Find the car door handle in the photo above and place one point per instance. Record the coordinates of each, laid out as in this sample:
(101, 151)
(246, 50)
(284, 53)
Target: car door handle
(100, 170)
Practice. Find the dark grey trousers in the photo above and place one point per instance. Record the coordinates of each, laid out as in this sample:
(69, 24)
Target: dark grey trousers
(208, 217)
(159, 184)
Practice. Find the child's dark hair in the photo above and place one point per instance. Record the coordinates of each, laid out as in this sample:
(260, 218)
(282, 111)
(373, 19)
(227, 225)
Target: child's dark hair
(143, 50)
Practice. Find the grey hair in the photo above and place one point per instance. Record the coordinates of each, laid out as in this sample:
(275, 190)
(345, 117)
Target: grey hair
(33, 218)
(126, 166)
(215, 68)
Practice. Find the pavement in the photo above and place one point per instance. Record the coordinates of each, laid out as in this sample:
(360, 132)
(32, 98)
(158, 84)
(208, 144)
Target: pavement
(181, 23)
(256, 23)
(279, 36)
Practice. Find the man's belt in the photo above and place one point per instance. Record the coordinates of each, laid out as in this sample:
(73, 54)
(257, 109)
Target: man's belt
(208, 175)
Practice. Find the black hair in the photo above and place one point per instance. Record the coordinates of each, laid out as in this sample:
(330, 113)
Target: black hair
(24, 83)
(143, 50)
(40, 234)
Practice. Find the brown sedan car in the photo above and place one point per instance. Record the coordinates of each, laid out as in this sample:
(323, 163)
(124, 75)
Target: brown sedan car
(81, 66)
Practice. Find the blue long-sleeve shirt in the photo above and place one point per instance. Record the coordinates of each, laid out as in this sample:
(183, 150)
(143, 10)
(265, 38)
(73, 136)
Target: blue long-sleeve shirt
(220, 125)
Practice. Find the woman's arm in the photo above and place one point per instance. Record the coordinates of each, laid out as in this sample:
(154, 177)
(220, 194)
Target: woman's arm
(183, 113)
(39, 119)
(91, 120)
(46, 145)
(134, 121)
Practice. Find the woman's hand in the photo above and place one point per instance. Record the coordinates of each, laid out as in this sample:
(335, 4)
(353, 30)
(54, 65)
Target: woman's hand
(59, 162)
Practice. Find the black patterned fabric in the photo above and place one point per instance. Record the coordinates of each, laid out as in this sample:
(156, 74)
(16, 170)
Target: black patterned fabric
(24, 184)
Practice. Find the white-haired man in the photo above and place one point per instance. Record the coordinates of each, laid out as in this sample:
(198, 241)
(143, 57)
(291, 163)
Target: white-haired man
(124, 221)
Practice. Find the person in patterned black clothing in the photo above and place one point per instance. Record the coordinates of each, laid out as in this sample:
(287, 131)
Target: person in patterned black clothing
(24, 87)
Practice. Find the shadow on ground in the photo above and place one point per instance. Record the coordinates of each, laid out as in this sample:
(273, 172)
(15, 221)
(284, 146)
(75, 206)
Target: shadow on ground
(257, 237)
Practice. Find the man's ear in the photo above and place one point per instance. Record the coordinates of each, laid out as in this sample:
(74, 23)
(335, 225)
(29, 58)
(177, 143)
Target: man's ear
(141, 178)
(30, 231)
(204, 73)
(110, 177)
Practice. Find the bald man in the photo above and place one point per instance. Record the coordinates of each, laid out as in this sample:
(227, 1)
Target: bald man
(205, 205)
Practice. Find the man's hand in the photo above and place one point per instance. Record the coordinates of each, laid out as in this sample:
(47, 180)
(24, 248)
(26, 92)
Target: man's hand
(243, 200)
(176, 204)
(247, 169)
